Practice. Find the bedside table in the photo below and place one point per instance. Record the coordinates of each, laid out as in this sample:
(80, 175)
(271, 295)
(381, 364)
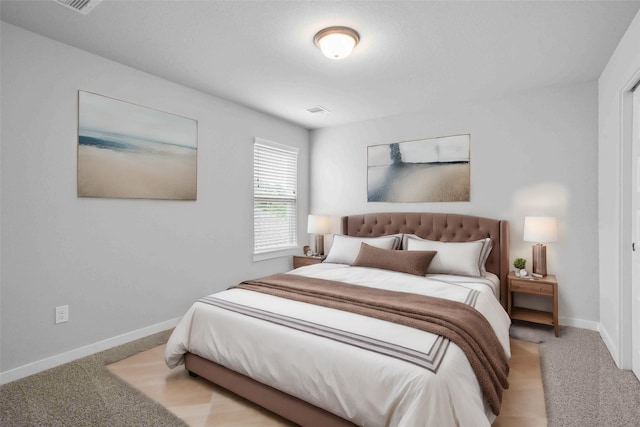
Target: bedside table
(546, 286)
(300, 261)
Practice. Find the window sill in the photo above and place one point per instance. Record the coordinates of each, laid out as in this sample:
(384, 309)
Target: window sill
(279, 253)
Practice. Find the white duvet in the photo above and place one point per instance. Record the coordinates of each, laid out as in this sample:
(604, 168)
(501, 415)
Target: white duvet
(363, 386)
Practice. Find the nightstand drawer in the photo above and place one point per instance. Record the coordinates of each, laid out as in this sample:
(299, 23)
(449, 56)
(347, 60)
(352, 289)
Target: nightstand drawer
(531, 286)
(301, 261)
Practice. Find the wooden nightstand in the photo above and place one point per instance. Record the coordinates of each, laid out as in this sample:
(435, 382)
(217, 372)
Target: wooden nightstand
(300, 261)
(546, 286)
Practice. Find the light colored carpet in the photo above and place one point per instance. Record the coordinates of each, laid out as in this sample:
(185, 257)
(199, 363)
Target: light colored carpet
(583, 387)
(83, 393)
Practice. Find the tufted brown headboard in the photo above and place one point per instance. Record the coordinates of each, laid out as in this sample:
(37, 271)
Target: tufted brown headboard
(442, 227)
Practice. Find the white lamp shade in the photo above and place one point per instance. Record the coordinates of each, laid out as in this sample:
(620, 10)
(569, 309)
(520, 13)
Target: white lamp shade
(540, 229)
(318, 224)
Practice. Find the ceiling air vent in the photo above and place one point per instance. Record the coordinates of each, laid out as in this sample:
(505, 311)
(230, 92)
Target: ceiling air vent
(82, 6)
(318, 110)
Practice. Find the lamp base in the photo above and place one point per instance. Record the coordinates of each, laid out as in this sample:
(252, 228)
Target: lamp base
(539, 252)
(319, 244)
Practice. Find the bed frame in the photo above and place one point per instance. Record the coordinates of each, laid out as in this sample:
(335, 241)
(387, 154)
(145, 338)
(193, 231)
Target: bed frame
(433, 226)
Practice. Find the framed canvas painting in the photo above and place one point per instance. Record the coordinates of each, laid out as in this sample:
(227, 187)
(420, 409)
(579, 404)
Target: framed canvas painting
(134, 152)
(425, 170)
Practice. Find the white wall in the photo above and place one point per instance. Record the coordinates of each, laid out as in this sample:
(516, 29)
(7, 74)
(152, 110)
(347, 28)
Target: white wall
(614, 168)
(121, 265)
(532, 154)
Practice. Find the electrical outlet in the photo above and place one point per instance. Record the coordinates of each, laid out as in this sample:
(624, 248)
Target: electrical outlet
(62, 314)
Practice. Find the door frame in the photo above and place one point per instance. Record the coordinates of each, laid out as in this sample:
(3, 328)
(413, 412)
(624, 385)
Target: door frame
(625, 343)
(634, 196)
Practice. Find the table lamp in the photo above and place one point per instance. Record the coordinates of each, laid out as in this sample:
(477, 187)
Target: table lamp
(540, 229)
(319, 225)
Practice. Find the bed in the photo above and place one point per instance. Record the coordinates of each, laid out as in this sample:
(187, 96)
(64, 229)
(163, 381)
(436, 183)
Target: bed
(322, 366)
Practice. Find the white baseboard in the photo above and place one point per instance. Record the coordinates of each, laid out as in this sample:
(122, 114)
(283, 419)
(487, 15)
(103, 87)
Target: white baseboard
(60, 359)
(579, 323)
(613, 349)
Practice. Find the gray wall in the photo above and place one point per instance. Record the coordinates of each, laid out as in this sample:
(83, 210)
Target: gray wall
(531, 154)
(121, 265)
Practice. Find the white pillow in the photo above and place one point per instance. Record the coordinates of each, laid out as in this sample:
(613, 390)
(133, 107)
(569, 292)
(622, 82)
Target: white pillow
(345, 249)
(461, 258)
(484, 255)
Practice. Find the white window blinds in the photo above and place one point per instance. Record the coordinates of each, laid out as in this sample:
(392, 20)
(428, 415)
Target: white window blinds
(275, 174)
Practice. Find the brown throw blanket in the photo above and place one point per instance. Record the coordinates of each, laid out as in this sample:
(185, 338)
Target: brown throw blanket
(460, 323)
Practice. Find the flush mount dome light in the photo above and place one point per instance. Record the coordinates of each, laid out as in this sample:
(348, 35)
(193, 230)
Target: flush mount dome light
(336, 42)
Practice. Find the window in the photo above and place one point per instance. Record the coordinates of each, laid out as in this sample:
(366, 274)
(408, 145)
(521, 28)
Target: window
(275, 176)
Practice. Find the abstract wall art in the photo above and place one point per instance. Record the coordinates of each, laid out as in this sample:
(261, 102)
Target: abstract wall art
(425, 170)
(134, 152)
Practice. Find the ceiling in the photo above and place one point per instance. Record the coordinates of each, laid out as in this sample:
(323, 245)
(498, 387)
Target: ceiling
(413, 55)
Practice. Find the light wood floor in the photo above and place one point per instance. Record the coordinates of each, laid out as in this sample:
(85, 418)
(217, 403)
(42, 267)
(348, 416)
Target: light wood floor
(523, 402)
(201, 403)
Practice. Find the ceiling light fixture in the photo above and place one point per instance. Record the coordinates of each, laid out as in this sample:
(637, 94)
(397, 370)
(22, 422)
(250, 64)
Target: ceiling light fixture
(336, 42)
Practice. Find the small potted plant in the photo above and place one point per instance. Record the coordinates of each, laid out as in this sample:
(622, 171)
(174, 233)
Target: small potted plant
(520, 264)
